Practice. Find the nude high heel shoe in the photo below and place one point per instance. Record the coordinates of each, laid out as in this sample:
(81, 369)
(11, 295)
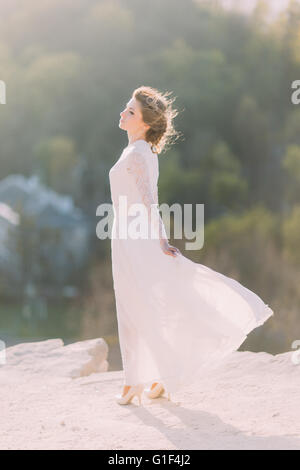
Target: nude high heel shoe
(126, 399)
(156, 391)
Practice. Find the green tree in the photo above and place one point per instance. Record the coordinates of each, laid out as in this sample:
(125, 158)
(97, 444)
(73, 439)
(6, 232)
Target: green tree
(291, 236)
(291, 164)
(227, 187)
(56, 161)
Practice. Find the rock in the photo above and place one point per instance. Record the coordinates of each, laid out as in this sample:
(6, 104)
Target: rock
(51, 357)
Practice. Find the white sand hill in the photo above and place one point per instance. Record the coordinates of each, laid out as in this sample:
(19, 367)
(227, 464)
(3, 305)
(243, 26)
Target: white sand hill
(62, 397)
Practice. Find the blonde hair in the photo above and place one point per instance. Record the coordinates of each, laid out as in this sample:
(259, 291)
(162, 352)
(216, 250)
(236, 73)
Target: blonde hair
(158, 113)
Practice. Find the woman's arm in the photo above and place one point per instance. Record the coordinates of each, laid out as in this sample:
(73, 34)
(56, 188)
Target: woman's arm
(138, 168)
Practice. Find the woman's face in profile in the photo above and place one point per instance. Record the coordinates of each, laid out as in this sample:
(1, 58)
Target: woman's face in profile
(131, 118)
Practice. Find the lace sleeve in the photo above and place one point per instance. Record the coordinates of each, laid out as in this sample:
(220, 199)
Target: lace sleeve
(138, 168)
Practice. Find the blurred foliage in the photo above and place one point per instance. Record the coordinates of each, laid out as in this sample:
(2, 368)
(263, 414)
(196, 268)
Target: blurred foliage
(71, 67)
(291, 163)
(291, 236)
(56, 159)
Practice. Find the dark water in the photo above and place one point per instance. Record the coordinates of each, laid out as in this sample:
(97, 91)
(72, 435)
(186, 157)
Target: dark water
(21, 323)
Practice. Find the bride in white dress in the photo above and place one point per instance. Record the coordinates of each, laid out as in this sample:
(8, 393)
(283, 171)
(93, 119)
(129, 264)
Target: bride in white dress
(176, 319)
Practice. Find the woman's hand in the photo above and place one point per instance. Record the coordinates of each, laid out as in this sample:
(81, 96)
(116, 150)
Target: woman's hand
(169, 249)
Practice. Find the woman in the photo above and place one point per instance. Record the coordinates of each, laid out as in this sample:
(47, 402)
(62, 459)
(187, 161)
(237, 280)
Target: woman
(176, 319)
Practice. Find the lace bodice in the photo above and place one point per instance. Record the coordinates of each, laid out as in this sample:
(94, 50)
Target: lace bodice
(135, 175)
(137, 167)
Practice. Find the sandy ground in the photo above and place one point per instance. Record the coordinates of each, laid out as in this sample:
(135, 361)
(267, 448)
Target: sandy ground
(52, 398)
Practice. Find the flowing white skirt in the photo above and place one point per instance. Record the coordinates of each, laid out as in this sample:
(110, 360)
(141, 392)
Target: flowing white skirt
(177, 319)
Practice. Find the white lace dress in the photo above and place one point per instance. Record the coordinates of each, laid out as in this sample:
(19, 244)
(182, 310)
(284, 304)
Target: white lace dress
(176, 319)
